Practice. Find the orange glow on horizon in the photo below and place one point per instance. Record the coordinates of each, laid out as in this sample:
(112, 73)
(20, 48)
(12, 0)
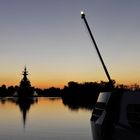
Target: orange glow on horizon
(45, 85)
(61, 80)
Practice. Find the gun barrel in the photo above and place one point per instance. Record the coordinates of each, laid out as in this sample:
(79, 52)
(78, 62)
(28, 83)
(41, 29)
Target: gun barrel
(96, 47)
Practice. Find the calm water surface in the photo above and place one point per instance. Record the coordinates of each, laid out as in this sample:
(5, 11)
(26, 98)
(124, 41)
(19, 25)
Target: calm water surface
(42, 119)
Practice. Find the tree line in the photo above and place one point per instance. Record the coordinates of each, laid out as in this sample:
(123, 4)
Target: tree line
(72, 89)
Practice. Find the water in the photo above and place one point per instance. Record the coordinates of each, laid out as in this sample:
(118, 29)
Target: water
(43, 119)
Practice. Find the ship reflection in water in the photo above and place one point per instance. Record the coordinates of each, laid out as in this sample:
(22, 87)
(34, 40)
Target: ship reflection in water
(43, 118)
(24, 105)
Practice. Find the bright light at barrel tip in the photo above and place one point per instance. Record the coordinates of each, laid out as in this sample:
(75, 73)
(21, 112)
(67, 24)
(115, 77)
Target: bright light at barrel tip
(82, 13)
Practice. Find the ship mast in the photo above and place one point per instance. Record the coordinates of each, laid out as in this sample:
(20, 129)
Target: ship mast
(25, 73)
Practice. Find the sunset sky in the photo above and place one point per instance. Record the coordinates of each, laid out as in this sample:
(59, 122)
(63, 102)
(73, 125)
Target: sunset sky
(50, 38)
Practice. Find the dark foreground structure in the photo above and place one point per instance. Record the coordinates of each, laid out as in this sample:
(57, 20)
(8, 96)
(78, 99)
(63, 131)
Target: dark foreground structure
(116, 115)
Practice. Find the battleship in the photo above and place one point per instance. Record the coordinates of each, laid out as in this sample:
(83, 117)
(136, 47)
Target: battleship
(25, 90)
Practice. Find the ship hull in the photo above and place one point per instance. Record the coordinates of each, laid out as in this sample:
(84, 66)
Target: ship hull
(116, 117)
(25, 92)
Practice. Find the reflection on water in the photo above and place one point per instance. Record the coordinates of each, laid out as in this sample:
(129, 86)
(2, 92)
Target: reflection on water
(24, 105)
(76, 104)
(42, 118)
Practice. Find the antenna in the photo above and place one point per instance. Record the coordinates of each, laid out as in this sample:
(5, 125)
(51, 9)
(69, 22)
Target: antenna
(96, 47)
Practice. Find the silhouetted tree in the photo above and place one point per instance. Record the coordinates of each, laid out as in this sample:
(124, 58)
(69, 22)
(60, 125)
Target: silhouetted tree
(52, 92)
(3, 91)
(10, 91)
